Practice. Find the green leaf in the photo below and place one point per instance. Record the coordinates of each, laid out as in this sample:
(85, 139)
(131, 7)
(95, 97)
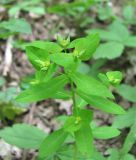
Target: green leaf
(14, 10)
(105, 132)
(62, 94)
(86, 46)
(63, 59)
(17, 25)
(109, 50)
(120, 30)
(10, 111)
(2, 81)
(72, 124)
(83, 68)
(105, 13)
(37, 55)
(127, 92)
(116, 32)
(115, 77)
(84, 140)
(126, 120)
(129, 13)
(114, 154)
(83, 136)
(129, 157)
(52, 143)
(23, 136)
(43, 90)
(80, 102)
(86, 116)
(101, 103)
(90, 85)
(39, 10)
(66, 153)
(97, 156)
(105, 35)
(44, 76)
(104, 79)
(50, 47)
(129, 140)
(131, 41)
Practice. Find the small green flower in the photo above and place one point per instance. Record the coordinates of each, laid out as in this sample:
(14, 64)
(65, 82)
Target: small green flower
(78, 119)
(63, 42)
(114, 77)
(77, 54)
(44, 65)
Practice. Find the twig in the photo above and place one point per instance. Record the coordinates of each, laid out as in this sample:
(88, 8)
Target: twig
(8, 56)
(8, 53)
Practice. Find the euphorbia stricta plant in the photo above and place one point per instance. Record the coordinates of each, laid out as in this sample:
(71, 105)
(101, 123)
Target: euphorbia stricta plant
(58, 77)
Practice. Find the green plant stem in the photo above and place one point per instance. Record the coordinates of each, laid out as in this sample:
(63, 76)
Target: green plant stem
(129, 141)
(75, 111)
(75, 152)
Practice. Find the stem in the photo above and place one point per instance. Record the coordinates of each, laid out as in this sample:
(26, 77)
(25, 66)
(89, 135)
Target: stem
(75, 152)
(75, 110)
(129, 141)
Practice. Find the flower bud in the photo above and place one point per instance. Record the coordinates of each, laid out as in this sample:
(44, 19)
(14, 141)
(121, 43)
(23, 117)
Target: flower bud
(63, 42)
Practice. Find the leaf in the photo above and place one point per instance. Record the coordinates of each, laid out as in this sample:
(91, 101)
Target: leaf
(126, 120)
(83, 68)
(80, 102)
(52, 143)
(86, 46)
(23, 136)
(39, 10)
(72, 7)
(36, 55)
(131, 41)
(43, 90)
(109, 50)
(104, 79)
(115, 77)
(101, 103)
(116, 32)
(14, 10)
(10, 111)
(2, 81)
(129, 140)
(63, 59)
(44, 76)
(50, 47)
(83, 136)
(128, 157)
(67, 151)
(120, 30)
(105, 35)
(86, 116)
(62, 94)
(97, 156)
(128, 13)
(105, 13)
(127, 92)
(90, 85)
(17, 25)
(72, 124)
(105, 132)
(114, 154)
(84, 140)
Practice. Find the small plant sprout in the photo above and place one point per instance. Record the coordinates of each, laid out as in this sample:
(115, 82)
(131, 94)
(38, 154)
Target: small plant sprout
(56, 66)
